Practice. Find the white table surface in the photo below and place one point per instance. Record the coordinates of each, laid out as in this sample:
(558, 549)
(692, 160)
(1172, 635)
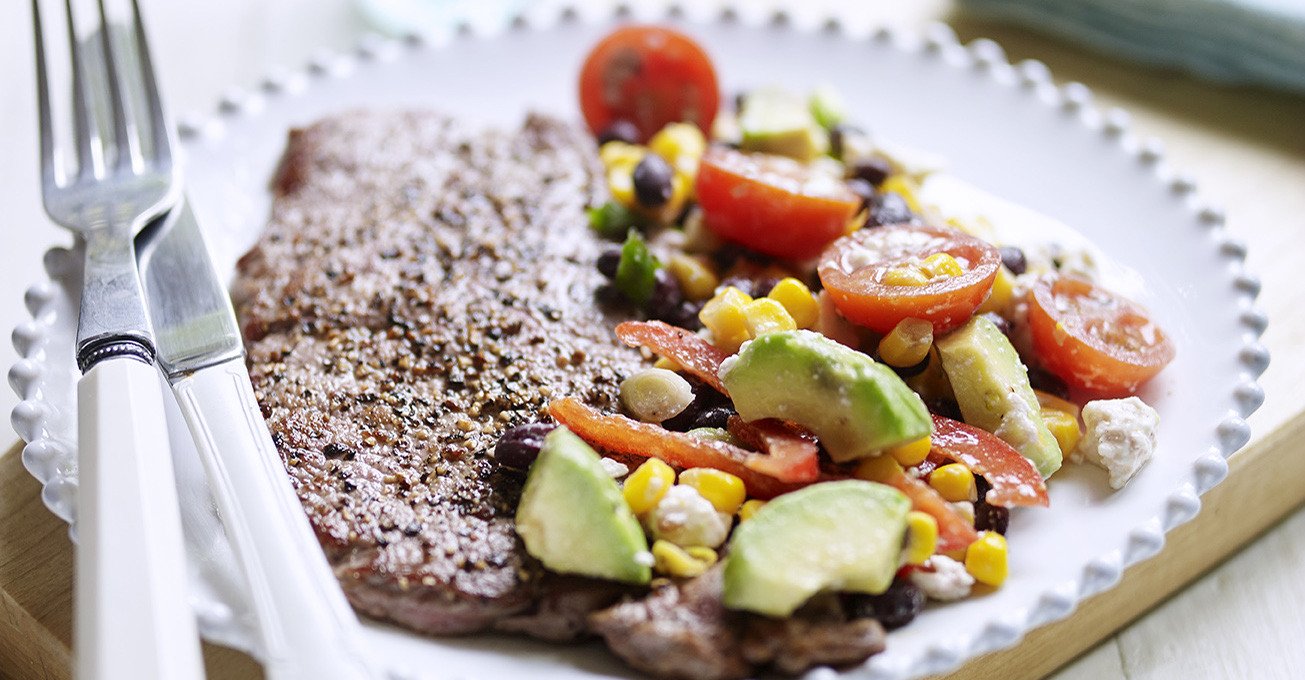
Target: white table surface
(1243, 620)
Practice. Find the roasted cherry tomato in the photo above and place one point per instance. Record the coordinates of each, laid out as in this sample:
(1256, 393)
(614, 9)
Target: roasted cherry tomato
(648, 76)
(1093, 339)
(772, 204)
(855, 268)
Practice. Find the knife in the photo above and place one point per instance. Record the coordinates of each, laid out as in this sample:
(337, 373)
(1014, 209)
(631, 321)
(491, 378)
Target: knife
(307, 627)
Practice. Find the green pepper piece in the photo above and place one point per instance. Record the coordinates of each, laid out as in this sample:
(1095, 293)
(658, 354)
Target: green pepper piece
(611, 220)
(636, 273)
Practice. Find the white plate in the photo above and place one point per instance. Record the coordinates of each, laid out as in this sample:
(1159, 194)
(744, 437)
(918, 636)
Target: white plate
(1006, 129)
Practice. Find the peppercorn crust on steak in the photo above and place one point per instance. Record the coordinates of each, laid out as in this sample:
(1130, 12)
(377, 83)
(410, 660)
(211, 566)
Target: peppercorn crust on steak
(421, 288)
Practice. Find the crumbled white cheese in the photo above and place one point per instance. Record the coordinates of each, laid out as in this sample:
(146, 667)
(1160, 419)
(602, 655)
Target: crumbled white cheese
(686, 519)
(645, 558)
(965, 509)
(1017, 428)
(1119, 437)
(614, 468)
(943, 578)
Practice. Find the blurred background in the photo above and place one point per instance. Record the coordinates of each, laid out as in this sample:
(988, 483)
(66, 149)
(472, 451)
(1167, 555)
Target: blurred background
(1221, 81)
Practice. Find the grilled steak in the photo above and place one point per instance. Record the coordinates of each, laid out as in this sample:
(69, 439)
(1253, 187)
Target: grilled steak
(684, 631)
(421, 288)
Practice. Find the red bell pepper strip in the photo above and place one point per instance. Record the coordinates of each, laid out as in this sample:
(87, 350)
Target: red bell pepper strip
(623, 435)
(1014, 479)
(791, 456)
(695, 355)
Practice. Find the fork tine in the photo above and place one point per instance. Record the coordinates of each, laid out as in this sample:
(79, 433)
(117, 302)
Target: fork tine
(48, 178)
(160, 131)
(82, 128)
(123, 129)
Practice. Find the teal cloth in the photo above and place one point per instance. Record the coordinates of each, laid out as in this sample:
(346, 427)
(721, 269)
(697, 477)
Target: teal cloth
(1231, 41)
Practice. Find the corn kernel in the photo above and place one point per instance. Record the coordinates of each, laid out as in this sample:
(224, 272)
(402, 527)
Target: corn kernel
(750, 508)
(954, 482)
(907, 344)
(681, 188)
(904, 187)
(797, 300)
(646, 486)
(723, 316)
(912, 453)
(908, 275)
(932, 382)
(682, 144)
(724, 490)
(672, 560)
(765, 315)
(620, 184)
(703, 554)
(695, 277)
(668, 364)
(613, 153)
(1050, 401)
(986, 558)
(921, 537)
(999, 298)
(882, 469)
(1064, 427)
(942, 265)
(965, 509)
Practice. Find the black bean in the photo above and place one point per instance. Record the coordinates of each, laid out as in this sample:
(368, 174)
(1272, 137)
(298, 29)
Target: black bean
(718, 416)
(889, 208)
(652, 181)
(687, 316)
(863, 189)
(1014, 259)
(1042, 380)
(838, 134)
(519, 446)
(988, 517)
(912, 370)
(1000, 322)
(619, 131)
(873, 170)
(664, 305)
(894, 608)
(609, 261)
(705, 398)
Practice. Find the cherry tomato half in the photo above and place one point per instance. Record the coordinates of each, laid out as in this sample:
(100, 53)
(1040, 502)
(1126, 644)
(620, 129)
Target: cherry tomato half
(649, 76)
(854, 267)
(1093, 339)
(772, 204)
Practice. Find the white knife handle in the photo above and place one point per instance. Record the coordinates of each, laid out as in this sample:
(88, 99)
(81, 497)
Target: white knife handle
(134, 619)
(308, 629)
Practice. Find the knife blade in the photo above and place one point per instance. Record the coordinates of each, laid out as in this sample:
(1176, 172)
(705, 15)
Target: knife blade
(307, 628)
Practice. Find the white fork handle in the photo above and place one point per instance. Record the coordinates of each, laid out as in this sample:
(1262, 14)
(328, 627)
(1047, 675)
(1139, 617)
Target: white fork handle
(308, 629)
(134, 619)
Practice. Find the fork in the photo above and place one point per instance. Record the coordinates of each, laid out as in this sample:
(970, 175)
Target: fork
(133, 618)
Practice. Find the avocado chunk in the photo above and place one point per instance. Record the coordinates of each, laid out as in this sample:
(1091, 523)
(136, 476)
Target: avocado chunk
(573, 518)
(855, 406)
(775, 121)
(844, 536)
(992, 388)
